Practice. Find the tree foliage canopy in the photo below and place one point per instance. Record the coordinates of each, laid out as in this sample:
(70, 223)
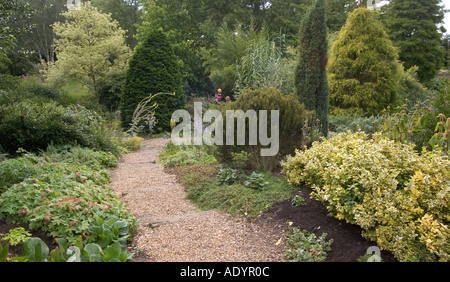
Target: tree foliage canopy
(90, 46)
(413, 27)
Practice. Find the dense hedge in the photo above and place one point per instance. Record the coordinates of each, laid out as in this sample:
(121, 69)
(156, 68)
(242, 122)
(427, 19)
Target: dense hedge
(400, 198)
(33, 126)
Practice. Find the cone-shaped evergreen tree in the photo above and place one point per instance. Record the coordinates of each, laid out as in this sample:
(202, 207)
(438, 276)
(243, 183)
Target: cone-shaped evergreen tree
(153, 69)
(413, 27)
(311, 77)
(363, 72)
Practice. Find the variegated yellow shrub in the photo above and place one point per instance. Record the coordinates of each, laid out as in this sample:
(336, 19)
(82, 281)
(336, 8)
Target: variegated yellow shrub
(399, 197)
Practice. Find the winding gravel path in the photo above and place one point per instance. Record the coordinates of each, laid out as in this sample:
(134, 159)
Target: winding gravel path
(172, 229)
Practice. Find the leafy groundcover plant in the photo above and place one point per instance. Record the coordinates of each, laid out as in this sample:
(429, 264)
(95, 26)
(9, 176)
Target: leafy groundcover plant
(61, 199)
(302, 246)
(107, 245)
(400, 198)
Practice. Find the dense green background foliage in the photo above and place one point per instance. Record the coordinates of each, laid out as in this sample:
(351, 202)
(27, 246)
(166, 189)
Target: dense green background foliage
(34, 126)
(413, 27)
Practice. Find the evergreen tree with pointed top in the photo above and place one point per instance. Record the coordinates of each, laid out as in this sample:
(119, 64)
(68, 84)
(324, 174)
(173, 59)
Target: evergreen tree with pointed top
(154, 69)
(311, 76)
(363, 72)
(413, 27)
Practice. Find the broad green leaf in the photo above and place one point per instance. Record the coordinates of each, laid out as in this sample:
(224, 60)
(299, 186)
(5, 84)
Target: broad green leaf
(4, 252)
(92, 249)
(113, 251)
(95, 230)
(35, 249)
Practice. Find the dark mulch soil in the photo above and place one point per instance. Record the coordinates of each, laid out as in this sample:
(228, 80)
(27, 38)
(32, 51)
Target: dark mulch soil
(17, 250)
(348, 244)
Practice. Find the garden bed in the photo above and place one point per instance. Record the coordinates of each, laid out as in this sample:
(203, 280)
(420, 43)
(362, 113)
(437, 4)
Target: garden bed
(348, 244)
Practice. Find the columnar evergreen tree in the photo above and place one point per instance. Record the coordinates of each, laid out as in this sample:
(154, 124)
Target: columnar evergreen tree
(364, 74)
(154, 69)
(413, 27)
(311, 76)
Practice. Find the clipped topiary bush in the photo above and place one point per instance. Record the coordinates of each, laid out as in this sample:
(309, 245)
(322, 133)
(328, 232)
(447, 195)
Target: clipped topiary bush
(399, 197)
(154, 69)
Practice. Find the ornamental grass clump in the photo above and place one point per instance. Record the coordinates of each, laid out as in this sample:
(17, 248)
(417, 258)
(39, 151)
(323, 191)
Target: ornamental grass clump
(400, 198)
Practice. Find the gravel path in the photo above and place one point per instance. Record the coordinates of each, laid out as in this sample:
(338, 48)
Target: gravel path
(172, 229)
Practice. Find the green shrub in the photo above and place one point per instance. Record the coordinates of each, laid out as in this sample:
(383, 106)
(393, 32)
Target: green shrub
(41, 89)
(15, 171)
(154, 69)
(173, 155)
(311, 82)
(109, 92)
(355, 123)
(33, 127)
(293, 117)
(397, 196)
(241, 159)
(63, 200)
(363, 71)
(420, 124)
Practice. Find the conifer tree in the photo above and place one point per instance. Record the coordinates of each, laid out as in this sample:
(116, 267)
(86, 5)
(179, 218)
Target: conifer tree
(413, 27)
(364, 74)
(154, 69)
(311, 77)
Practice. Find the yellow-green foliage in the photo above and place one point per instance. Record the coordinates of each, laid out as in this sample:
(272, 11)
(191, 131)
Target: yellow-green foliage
(133, 143)
(129, 144)
(400, 198)
(363, 72)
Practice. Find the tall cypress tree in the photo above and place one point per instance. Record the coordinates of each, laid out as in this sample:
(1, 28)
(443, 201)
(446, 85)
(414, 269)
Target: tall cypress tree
(311, 77)
(413, 27)
(154, 68)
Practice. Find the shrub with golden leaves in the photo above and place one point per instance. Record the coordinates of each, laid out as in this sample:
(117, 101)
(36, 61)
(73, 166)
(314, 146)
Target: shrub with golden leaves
(399, 197)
